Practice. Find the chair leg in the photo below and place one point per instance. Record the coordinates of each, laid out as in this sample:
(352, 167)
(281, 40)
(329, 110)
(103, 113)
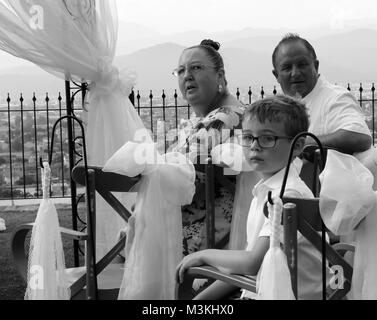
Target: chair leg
(290, 241)
(91, 274)
(210, 204)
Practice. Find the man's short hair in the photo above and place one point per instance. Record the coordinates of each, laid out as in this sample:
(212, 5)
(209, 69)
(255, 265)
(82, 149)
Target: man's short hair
(282, 109)
(292, 37)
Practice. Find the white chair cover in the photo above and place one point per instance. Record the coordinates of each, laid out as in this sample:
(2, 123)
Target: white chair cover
(76, 40)
(364, 276)
(348, 207)
(46, 278)
(154, 246)
(231, 155)
(346, 195)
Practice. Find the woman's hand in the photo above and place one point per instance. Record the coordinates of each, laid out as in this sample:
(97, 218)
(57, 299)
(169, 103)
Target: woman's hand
(192, 260)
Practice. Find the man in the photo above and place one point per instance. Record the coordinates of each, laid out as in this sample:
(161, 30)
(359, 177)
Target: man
(335, 116)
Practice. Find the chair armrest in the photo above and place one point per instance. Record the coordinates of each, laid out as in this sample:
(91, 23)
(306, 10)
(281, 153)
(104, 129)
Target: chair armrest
(18, 245)
(18, 248)
(183, 290)
(342, 248)
(74, 235)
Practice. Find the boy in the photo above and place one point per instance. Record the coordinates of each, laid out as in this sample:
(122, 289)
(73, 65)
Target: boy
(268, 127)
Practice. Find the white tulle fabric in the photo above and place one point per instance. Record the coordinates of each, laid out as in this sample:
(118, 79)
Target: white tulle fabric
(346, 195)
(154, 244)
(46, 278)
(274, 279)
(231, 155)
(348, 206)
(76, 40)
(364, 276)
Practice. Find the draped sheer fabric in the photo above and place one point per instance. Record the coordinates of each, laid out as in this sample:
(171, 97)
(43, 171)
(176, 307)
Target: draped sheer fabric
(274, 278)
(348, 207)
(154, 243)
(346, 195)
(46, 279)
(232, 156)
(364, 276)
(76, 40)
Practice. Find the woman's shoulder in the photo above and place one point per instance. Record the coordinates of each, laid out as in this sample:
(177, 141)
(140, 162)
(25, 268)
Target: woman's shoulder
(233, 104)
(228, 114)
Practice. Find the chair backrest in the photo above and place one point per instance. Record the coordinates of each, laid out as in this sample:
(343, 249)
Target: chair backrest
(214, 174)
(104, 183)
(110, 181)
(312, 167)
(303, 215)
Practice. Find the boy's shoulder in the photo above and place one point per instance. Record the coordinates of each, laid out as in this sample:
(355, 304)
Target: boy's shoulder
(295, 187)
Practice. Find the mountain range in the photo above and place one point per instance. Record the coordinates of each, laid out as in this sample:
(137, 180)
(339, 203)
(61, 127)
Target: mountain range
(345, 57)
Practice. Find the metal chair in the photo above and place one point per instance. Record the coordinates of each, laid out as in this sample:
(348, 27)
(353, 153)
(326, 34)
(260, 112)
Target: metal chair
(298, 215)
(87, 281)
(303, 215)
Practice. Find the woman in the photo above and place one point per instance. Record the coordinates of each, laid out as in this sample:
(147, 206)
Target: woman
(202, 82)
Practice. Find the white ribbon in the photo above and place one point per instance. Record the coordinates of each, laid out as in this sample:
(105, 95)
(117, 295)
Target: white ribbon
(167, 183)
(346, 193)
(46, 266)
(274, 279)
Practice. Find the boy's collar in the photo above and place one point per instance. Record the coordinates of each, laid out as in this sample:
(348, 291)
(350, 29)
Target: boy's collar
(275, 182)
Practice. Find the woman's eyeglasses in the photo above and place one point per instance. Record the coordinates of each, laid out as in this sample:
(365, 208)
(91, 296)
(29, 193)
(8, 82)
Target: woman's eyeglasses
(264, 141)
(191, 68)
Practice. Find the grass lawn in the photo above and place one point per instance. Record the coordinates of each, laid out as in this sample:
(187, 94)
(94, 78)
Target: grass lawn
(12, 286)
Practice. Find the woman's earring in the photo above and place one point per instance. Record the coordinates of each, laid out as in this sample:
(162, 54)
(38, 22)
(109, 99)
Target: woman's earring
(221, 89)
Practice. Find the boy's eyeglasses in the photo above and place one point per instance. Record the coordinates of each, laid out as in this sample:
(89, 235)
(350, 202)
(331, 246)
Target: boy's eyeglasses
(192, 69)
(264, 141)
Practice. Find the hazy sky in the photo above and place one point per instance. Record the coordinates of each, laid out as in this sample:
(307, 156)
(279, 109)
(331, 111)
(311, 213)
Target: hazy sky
(172, 16)
(169, 16)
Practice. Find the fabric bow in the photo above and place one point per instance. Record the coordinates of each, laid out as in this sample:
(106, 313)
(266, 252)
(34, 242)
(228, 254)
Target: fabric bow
(46, 266)
(348, 207)
(167, 183)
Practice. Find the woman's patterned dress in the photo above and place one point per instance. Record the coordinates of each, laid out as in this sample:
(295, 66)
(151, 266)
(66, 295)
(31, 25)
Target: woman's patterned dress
(193, 215)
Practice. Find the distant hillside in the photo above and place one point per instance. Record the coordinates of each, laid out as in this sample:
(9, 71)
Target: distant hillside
(349, 56)
(344, 57)
(154, 66)
(27, 80)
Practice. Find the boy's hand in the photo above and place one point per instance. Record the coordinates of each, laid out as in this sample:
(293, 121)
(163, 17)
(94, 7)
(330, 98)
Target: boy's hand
(192, 260)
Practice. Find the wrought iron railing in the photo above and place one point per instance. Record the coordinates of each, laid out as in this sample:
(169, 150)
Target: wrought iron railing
(25, 133)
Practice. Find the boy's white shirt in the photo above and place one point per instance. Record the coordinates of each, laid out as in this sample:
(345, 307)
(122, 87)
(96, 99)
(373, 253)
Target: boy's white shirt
(309, 259)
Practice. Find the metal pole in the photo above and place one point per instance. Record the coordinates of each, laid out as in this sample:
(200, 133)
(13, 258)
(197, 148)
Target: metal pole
(71, 150)
(210, 203)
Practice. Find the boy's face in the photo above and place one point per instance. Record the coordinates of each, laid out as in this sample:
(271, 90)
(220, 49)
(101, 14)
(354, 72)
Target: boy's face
(267, 161)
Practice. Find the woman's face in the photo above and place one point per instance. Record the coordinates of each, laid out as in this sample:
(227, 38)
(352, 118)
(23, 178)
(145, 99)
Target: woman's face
(198, 79)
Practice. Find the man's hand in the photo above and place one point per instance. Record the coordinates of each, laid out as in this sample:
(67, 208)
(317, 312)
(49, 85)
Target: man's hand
(309, 141)
(309, 149)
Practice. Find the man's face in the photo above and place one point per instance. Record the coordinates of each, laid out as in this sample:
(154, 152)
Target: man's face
(295, 69)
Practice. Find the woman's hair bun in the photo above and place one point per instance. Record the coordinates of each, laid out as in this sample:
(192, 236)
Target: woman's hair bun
(210, 43)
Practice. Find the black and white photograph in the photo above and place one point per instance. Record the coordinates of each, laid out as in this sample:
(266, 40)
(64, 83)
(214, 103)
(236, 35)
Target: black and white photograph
(188, 156)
